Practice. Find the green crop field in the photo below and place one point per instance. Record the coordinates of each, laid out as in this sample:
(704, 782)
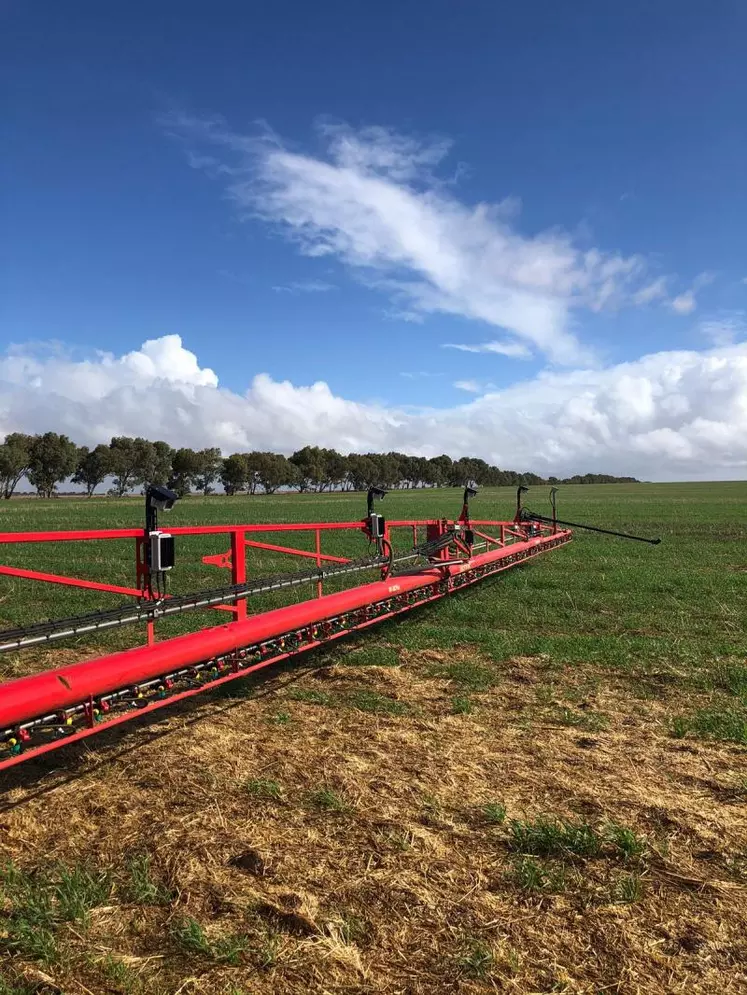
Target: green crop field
(535, 785)
(600, 600)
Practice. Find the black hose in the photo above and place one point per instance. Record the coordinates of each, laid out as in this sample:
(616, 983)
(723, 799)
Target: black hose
(532, 516)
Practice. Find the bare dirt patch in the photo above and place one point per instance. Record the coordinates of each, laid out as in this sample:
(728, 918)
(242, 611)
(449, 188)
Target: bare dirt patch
(360, 849)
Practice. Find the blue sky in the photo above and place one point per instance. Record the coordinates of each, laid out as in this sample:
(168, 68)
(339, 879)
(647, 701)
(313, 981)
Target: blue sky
(293, 190)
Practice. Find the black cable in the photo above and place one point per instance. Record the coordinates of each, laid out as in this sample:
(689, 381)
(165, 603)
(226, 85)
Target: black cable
(149, 609)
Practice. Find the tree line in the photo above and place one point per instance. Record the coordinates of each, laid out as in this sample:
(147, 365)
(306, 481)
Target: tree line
(50, 459)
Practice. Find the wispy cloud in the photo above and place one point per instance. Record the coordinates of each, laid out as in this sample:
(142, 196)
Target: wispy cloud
(471, 386)
(374, 201)
(403, 314)
(515, 350)
(725, 328)
(419, 374)
(653, 291)
(305, 287)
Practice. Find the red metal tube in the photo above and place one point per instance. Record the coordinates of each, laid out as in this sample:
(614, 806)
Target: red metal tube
(53, 691)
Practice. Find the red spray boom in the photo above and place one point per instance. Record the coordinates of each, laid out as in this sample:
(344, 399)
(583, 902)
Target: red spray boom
(46, 710)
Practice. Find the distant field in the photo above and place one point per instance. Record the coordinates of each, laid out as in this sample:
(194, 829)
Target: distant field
(538, 785)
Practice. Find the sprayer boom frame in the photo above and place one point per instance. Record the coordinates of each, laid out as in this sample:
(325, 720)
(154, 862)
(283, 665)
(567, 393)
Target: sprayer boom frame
(47, 710)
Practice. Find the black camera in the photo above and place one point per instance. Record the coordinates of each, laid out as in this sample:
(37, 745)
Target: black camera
(160, 498)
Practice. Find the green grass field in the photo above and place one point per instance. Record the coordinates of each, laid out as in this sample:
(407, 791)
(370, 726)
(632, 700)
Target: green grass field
(470, 799)
(602, 600)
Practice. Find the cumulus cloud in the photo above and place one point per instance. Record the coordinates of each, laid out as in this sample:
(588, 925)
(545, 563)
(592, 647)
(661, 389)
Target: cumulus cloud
(372, 200)
(670, 415)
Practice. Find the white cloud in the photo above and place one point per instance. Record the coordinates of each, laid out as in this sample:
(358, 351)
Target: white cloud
(305, 287)
(684, 303)
(373, 202)
(471, 386)
(516, 350)
(670, 415)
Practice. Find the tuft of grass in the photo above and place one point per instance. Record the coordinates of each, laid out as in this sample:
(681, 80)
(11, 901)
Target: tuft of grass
(477, 960)
(279, 718)
(17, 987)
(589, 721)
(30, 916)
(728, 723)
(119, 974)
(375, 703)
(268, 951)
(625, 840)
(679, 726)
(31, 940)
(530, 875)
(545, 694)
(78, 890)
(266, 788)
(310, 697)
(545, 837)
(143, 887)
(461, 705)
(353, 929)
(27, 892)
(628, 889)
(432, 805)
(473, 676)
(494, 812)
(190, 936)
(36, 903)
(730, 677)
(329, 801)
(230, 949)
(371, 656)
(399, 839)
